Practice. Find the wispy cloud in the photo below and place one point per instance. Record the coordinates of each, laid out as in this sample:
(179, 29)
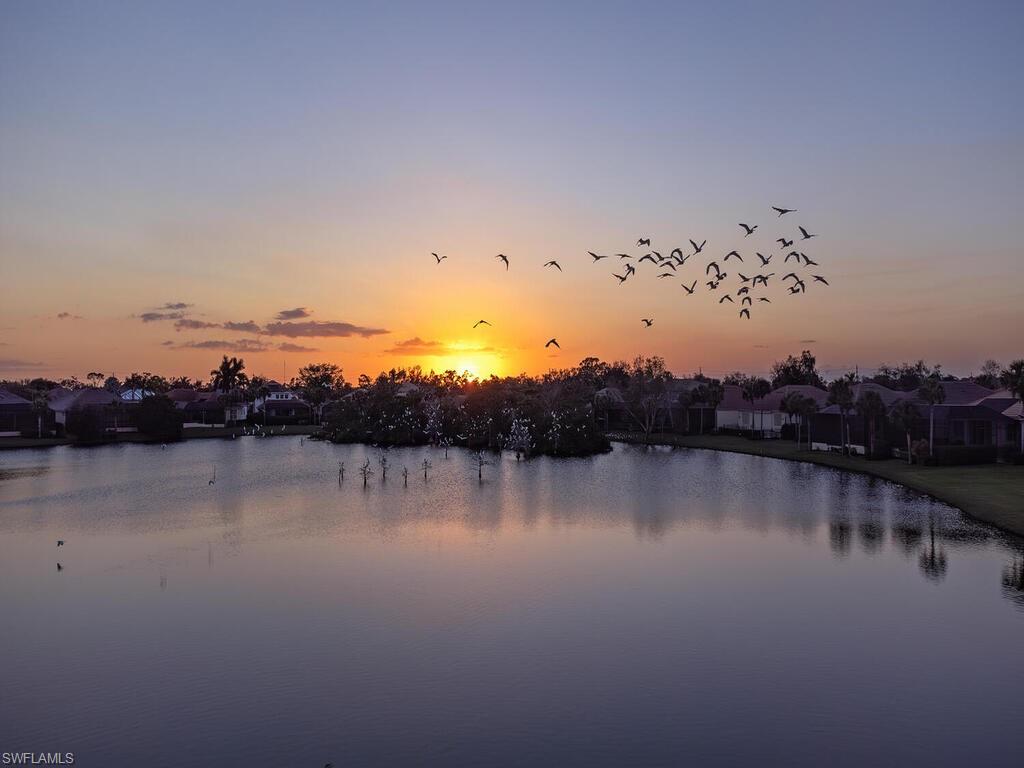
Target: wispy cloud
(289, 347)
(314, 328)
(14, 364)
(68, 316)
(153, 317)
(418, 346)
(807, 341)
(246, 327)
(293, 314)
(175, 305)
(188, 324)
(236, 345)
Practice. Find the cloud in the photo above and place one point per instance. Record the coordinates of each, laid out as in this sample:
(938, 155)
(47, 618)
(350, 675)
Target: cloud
(68, 316)
(293, 314)
(247, 327)
(14, 364)
(289, 347)
(313, 328)
(238, 345)
(414, 346)
(174, 305)
(807, 341)
(152, 317)
(166, 343)
(193, 325)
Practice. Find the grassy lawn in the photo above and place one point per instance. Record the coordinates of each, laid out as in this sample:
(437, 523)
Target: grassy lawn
(993, 493)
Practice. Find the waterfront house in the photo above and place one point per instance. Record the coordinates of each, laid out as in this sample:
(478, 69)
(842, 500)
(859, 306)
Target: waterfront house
(17, 416)
(107, 408)
(764, 416)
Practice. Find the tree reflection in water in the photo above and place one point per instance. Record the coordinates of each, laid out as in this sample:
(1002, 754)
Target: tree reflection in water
(1013, 580)
(840, 536)
(932, 562)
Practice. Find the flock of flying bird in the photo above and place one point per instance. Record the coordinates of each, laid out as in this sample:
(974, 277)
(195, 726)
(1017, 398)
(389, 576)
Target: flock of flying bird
(713, 271)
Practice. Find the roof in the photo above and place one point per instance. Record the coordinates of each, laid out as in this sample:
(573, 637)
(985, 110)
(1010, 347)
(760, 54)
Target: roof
(963, 392)
(732, 397)
(10, 399)
(61, 399)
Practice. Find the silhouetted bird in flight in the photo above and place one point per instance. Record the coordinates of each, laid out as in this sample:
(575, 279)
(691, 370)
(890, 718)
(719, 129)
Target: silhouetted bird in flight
(697, 248)
(763, 279)
(793, 255)
(746, 301)
(480, 322)
(669, 264)
(666, 274)
(596, 257)
(504, 258)
(647, 257)
(623, 255)
(630, 269)
(762, 298)
(743, 278)
(783, 211)
(713, 265)
(689, 290)
(644, 241)
(439, 258)
(750, 230)
(554, 264)
(552, 341)
(784, 242)
(794, 275)
(820, 279)
(677, 253)
(806, 235)
(808, 262)
(745, 313)
(658, 256)
(647, 321)
(765, 259)
(742, 291)
(711, 284)
(727, 297)
(732, 253)
(621, 278)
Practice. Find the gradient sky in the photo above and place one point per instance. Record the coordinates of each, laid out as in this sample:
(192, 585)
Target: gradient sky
(249, 158)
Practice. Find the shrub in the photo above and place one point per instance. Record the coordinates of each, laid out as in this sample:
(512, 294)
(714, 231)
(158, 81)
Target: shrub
(158, 418)
(959, 455)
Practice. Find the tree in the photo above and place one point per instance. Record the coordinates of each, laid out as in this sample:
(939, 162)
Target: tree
(989, 375)
(318, 382)
(645, 393)
(871, 408)
(158, 418)
(40, 404)
(840, 394)
(791, 406)
(796, 370)
(904, 416)
(932, 392)
(95, 378)
(754, 388)
(1013, 378)
(808, 407)
(710, 394)
(229, 375)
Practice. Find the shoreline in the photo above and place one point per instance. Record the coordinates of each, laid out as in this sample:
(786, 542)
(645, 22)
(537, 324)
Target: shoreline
(990, 493)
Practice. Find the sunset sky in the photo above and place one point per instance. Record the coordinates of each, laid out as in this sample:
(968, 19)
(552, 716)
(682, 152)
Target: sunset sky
(175, 176)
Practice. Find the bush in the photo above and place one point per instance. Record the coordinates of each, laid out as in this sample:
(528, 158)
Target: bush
(159, 419)
(789, 432)
(87, 426)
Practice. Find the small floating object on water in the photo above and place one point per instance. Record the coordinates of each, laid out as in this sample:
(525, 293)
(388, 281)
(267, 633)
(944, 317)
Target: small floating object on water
(59, 567)
(60, 542)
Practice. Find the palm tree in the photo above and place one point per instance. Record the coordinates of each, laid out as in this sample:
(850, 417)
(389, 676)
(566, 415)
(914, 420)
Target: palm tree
(840, 394)
(1013, 378)
(790, 406)
(808, 407)
(40, 403)
(871, 407)
(754, 388)
(931, 392)
(710, 394)
(228, 377)
(904, 416)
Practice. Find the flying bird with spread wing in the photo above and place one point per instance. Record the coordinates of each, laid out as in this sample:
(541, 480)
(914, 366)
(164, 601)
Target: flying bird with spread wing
(596, 257)
(439, 258)
(644, 241)
(480, 322)
(648, 322)
(806, 235)
(748, 228)
(554, 342)
(504, 258)
(783, 211)
(554, 264)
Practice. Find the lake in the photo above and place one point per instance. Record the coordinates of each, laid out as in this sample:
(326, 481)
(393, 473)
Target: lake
(645, 607)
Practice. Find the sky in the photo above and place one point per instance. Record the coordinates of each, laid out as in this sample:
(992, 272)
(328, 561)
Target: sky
(184, 180)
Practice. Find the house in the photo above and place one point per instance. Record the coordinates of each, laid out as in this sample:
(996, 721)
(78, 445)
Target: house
(764, 416)
(17, 416)
(970, 415)
(135, 395)
(114, 417)
(281, 409)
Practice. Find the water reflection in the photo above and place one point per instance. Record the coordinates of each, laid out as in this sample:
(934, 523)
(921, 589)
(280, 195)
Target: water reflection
(625, 609)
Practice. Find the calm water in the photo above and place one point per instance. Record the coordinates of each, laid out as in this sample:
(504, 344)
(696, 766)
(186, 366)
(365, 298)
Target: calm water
(639, 608)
